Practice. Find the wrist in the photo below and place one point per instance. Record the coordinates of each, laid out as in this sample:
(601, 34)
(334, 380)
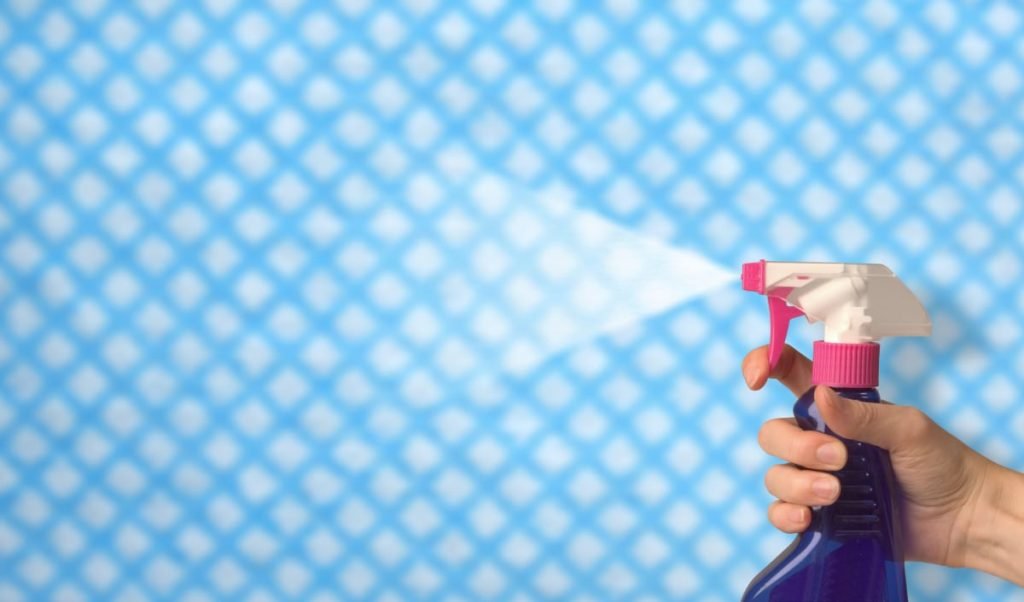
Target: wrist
(995, 533)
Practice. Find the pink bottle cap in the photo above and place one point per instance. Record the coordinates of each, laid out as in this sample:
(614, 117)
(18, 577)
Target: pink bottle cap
(853, 365)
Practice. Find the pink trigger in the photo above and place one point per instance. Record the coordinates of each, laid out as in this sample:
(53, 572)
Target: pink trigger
(779, 314)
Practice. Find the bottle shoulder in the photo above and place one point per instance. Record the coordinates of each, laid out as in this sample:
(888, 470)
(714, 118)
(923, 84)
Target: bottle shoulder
(806, 411)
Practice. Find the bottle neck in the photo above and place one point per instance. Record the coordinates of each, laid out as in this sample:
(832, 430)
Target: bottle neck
(845, 365)
(859, 394)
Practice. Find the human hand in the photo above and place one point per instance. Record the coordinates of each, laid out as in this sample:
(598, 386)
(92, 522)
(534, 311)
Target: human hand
(948, 490)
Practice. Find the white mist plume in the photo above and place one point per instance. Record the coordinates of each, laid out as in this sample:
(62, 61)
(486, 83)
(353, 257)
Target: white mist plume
(557, 276)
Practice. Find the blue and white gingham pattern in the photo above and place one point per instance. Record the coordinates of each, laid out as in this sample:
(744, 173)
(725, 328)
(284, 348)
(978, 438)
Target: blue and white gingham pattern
(245, 355)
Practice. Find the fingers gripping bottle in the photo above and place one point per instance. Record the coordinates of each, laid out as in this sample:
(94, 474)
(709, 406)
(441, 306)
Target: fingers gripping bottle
(853, 549)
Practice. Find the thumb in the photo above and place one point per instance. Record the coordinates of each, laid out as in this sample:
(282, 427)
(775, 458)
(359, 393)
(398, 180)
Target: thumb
(880, 424)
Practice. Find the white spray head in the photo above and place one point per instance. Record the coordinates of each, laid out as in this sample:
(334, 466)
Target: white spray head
(858, 302)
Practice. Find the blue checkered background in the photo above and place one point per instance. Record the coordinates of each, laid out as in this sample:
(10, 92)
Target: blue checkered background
(248, 345)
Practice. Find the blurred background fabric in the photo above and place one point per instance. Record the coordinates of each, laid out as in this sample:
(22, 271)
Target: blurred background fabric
(256, 261)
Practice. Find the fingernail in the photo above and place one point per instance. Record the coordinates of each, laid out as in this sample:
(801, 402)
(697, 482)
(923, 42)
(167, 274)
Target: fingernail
(825, 488)
(749, 374)
(797, 515)
(830, 454)
(834, 399)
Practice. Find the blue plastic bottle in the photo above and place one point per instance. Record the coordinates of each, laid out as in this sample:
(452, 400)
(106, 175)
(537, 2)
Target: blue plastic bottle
(853, 549)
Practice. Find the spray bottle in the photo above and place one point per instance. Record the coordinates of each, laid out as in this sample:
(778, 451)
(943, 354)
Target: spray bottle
(853, 549)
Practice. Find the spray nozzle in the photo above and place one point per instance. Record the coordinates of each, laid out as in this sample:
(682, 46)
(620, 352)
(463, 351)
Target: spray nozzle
(858, 302)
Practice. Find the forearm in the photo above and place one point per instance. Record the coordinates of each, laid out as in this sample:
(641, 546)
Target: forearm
(996, 540)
